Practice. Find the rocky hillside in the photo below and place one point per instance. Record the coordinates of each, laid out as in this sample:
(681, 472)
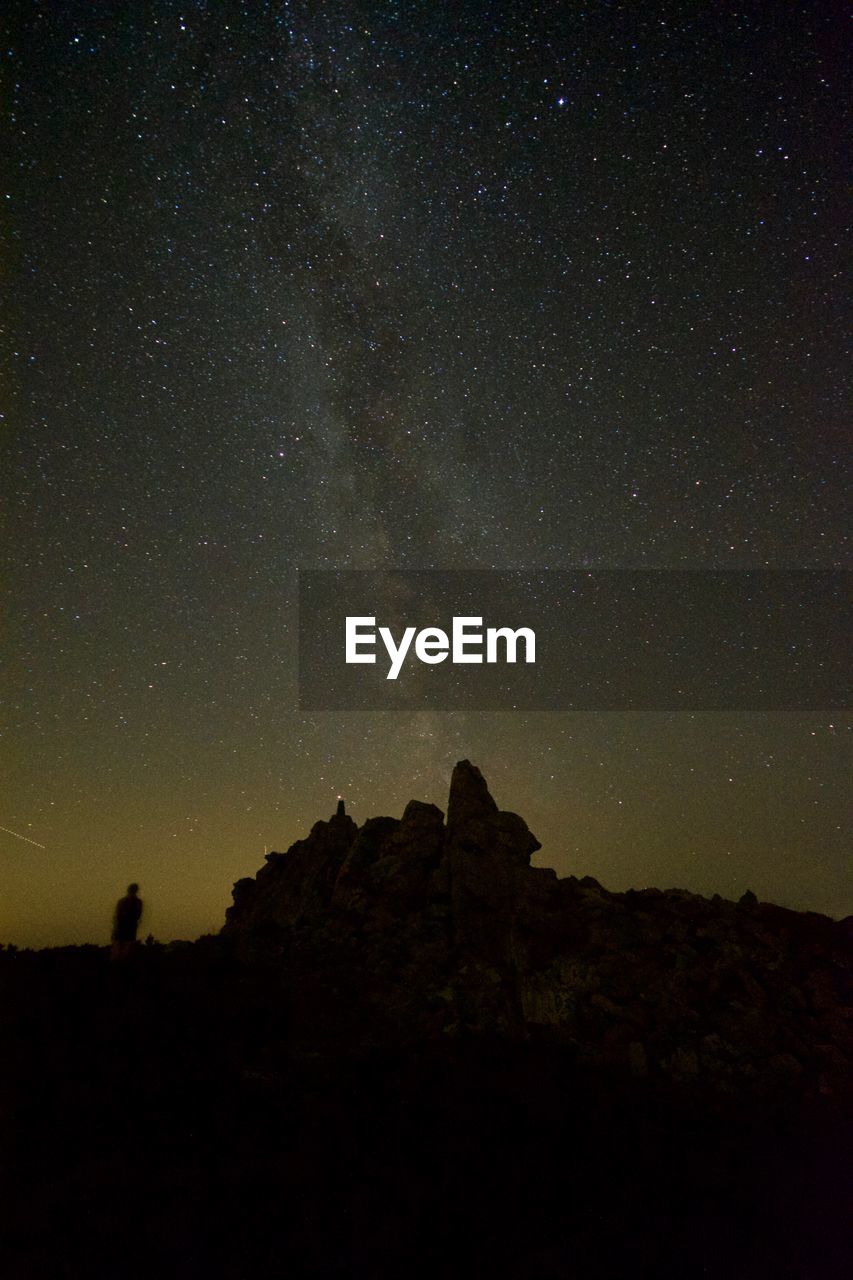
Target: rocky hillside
(423, 926)
(410, 1053)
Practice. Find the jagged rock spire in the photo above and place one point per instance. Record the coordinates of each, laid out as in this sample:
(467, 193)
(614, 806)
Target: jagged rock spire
(470, 799)
(474, 821)
(391, 865)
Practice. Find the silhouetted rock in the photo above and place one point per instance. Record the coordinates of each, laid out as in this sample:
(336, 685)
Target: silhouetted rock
(406, 1028)
(297, 884)
(442, 929)
(475, 822)
(469, 798)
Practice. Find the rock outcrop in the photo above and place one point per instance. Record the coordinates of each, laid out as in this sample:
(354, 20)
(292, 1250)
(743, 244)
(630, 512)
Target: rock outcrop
(421, 927)
(295, 884)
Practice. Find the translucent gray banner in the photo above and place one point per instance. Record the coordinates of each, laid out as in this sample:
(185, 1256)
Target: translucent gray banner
(575, 640)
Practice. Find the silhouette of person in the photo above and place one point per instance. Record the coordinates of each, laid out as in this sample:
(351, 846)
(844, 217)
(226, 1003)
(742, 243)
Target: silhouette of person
(125, 922)
(341, 810)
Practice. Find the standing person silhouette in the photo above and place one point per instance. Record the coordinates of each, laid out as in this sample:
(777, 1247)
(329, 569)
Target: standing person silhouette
(125, 922)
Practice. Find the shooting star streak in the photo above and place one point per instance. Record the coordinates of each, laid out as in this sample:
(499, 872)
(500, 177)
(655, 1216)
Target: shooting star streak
(20, 837)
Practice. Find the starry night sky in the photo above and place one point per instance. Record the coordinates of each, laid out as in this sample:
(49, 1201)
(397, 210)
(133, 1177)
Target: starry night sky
(380, 285)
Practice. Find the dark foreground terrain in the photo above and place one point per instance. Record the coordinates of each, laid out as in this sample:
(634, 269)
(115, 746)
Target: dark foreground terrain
(410, 1053)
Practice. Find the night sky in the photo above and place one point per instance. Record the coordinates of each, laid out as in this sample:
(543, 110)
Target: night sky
(403, 285)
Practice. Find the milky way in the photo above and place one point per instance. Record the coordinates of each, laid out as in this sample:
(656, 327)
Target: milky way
(393, 285)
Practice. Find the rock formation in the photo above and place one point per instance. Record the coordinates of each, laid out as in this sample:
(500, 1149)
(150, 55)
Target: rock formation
(420, 927)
